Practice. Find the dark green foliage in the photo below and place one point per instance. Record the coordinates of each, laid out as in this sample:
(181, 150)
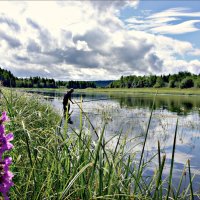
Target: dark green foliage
(35, 82)
(180, 80)
(61, 84)
(187, 83)
(76, 84)
(172, 84)
(102, 84)
(9, 80)
(134, 82)
(81, 84)
(159, 82)
(197, 82)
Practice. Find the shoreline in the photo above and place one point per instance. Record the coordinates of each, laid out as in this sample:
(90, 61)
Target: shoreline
(149, 91)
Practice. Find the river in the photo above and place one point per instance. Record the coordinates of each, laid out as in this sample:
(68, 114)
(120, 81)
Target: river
(129, 114)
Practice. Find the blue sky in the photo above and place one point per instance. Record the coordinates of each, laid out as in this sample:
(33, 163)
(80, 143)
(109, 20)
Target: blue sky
(99, 40)
(147, 8)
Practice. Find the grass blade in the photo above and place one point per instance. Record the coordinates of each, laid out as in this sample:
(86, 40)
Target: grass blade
(190, 177)
(172, 161)
(75, 178)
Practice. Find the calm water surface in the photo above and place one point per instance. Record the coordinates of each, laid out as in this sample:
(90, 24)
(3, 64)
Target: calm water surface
(129, 114)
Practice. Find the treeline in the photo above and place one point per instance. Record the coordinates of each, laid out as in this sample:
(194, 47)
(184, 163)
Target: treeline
(35, 82)
(81, 84)
(7, 79)
(76, 84)
(180, 80)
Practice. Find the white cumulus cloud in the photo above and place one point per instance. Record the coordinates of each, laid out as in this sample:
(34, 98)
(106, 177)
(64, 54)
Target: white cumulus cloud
(86, 40)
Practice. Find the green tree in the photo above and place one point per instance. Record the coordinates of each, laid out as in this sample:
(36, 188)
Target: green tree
(172, 83)
(187, 83)
(197, 83)
(159, 82)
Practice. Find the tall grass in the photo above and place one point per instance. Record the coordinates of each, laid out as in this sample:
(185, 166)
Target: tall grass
(51, 162)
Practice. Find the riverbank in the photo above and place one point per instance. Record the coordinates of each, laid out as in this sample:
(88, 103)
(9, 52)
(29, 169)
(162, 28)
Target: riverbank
(151, 91)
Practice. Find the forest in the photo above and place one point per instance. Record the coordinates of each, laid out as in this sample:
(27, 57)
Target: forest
(179, 80)
(9, 80)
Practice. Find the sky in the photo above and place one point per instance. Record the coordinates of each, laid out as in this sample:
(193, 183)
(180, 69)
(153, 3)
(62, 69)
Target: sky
(99, 40)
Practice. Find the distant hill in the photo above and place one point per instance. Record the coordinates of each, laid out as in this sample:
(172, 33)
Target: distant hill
(103, 83)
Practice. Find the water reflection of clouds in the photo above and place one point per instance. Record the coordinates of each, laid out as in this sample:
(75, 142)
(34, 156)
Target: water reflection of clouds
(133, 123)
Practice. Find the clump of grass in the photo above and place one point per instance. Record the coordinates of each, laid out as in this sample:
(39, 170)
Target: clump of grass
(55, 163)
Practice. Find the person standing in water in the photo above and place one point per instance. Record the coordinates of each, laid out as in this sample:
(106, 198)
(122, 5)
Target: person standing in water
(66, 103)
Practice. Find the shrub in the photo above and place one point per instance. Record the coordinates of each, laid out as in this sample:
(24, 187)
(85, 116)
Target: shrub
(159, 83)
(187, 83)
(197, 83)
(172, 84)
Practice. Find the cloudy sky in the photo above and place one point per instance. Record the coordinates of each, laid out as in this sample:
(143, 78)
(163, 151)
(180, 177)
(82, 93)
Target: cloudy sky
(99, 40)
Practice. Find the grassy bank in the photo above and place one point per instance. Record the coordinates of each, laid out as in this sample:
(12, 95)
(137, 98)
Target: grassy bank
(54, 163)
(152, 91)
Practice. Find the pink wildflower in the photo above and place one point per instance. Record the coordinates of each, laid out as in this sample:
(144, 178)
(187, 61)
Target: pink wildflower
(4, 117)
(5, 176)
(5, 145)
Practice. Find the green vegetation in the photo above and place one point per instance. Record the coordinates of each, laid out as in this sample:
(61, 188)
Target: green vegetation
(80, 84)
(150, 91)
(180, 80)
(35, 82)
(102, 84)
(128, 91)
(9, 80)
(55, 163)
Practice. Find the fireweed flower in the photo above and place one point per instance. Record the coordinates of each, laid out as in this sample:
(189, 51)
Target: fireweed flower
(5, 177)
(4, 117)
(5, 145)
